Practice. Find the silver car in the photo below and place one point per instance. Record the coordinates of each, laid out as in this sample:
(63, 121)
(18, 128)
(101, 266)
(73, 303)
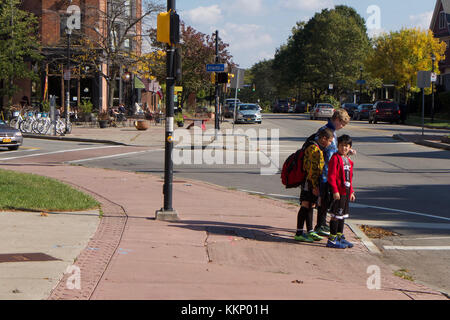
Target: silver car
(322, 110)
(248, 113)
(10, 137)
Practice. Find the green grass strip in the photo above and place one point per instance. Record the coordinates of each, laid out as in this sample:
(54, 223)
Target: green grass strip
(32, 192)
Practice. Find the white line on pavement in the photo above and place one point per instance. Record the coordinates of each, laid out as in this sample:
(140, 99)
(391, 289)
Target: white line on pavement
(113, 156)
(419, 248)
(402, 224)
(358, 205)
(55, 152)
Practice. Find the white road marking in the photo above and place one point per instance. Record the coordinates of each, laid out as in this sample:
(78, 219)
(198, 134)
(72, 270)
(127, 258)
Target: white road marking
(419, 248)
(55, 152)
(113, 156)
(429, 238)
(356, 205)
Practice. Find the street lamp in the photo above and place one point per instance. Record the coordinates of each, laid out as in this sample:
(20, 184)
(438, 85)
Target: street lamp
(66, 111)
(433, 59)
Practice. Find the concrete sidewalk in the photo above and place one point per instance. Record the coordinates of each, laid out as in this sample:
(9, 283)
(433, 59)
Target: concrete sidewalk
(226, 245)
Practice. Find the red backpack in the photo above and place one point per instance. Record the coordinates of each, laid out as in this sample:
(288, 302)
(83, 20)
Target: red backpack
(293, 174)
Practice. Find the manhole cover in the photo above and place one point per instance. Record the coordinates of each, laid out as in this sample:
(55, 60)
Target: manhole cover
(26, 257)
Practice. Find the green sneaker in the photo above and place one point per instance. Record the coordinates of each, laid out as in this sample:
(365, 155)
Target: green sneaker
(304, 238)
(322, 231)
(314, 236)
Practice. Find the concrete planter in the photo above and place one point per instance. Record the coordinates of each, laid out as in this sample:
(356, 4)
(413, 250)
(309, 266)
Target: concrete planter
(103, 123)
(141, 124)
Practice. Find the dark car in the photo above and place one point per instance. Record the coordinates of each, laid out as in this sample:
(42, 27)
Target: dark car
(350, 108)
(10, 137)
(300, 107)
(362, 112)
(282, 105)
(387, 111)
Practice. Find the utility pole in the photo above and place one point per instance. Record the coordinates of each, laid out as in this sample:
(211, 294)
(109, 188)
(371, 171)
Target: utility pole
(168, 213)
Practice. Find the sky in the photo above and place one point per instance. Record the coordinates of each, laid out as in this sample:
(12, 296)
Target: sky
(254, 29)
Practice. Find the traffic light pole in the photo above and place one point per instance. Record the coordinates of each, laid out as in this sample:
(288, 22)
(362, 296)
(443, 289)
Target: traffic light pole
(217, 125)
(168, 213)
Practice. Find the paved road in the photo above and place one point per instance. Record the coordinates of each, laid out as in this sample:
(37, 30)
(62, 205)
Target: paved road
(400, 186)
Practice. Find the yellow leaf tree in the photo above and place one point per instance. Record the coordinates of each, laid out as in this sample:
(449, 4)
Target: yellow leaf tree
(398, 56)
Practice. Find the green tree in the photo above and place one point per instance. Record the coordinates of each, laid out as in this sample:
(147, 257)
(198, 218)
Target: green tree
(19, 46)
(329, 48)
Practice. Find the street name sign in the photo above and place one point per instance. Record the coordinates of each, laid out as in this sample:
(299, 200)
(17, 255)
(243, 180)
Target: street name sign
(220, 67)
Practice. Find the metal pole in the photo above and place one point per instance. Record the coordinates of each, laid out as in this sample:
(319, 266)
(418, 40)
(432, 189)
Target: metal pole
(66, 111)
(216, 120)
(235, 97)
(168, 213)
(432, 91)
(423, 111)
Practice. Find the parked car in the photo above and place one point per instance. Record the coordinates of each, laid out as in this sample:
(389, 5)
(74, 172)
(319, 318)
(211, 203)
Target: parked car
(281, 105)
(387, 111)
(10, 137)
(350, 108)
(248, 113)
(300, 107)
(362, 113)
(322, 110)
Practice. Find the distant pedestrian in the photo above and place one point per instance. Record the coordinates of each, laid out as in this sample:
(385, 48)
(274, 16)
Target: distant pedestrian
(339, 120)
(340, 179)
(313, 163)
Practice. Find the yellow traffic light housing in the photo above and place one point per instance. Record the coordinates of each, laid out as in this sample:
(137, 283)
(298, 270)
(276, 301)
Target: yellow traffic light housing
(168, 27)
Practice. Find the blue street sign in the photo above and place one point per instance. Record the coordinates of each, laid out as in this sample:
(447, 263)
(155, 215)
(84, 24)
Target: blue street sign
(215, 67)
(361, 82)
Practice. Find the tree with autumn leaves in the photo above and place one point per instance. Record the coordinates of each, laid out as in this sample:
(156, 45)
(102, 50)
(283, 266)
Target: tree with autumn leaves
(398, 56)
(197, 50)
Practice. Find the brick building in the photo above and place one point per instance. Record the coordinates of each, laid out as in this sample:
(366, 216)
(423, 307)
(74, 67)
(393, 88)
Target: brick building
(95, 23)
(440, 25)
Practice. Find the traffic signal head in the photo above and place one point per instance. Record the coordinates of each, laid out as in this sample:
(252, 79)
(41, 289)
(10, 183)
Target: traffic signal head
(253, 87)
(168, 27)
(222, 77)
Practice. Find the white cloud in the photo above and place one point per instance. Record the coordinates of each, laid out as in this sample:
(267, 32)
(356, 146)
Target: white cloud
(309, 5)
(204, 15)
(422, 20)
(246, 7)
(245, 37)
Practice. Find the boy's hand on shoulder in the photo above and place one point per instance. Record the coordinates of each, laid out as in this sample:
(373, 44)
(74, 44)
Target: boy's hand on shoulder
(352, 152)
(316, 191)
(352, 197)
(336, 196)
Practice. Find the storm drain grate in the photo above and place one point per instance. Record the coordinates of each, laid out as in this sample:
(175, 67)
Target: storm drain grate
(26, 257)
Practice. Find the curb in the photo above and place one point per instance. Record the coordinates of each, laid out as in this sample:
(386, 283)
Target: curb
(425, 143)
(364, 239)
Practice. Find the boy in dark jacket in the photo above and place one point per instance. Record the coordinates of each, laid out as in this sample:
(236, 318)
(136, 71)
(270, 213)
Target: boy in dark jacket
(340, 179)
(313, 163)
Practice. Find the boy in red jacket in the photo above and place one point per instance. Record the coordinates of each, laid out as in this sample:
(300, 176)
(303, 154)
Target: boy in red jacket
(340, 176)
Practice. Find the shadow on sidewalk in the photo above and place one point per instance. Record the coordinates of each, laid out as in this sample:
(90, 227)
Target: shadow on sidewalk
(246, 231)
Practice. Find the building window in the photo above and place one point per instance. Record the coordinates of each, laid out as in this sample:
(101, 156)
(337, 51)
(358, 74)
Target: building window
(442, 20)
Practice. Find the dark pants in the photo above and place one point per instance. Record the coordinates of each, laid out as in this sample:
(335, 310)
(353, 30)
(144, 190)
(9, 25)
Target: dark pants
(325, 203)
